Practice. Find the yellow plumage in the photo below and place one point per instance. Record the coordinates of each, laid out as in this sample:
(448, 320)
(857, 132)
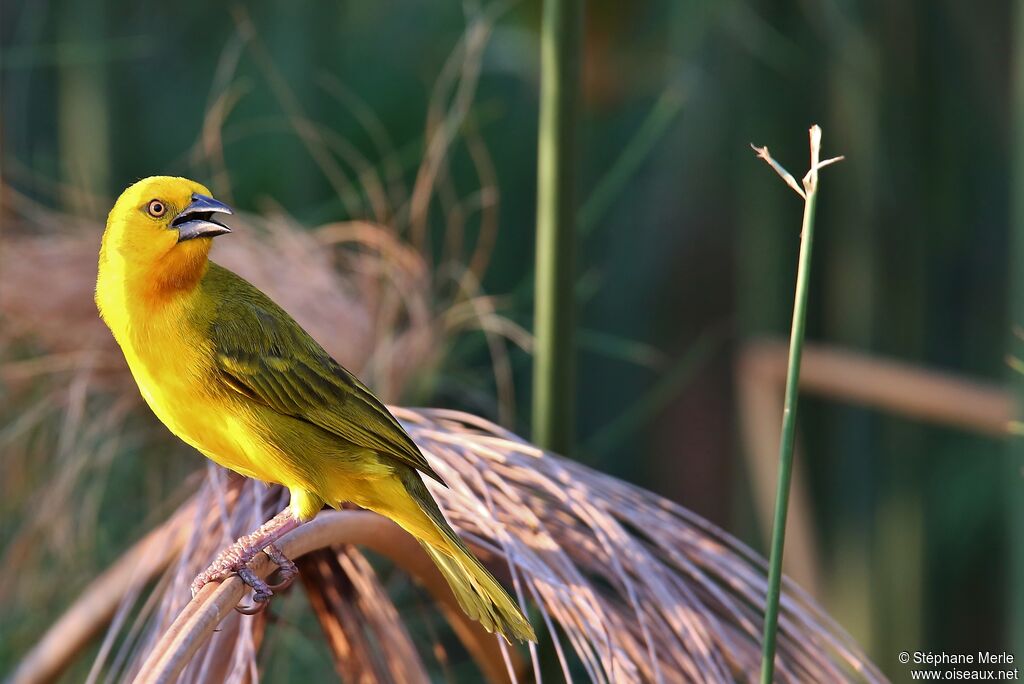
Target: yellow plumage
(233, 375)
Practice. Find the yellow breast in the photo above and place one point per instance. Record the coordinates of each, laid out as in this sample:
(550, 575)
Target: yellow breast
(173, 367)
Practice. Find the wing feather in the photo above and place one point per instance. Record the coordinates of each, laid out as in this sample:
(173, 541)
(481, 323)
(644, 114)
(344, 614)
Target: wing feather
(262, 353)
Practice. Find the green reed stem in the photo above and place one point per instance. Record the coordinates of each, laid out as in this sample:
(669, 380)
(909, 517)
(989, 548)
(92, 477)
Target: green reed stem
(554, 315)
(796, 346)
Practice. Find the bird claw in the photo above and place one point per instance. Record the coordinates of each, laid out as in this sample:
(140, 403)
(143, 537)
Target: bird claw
(261, 592)
(286, 568)
(254, 608)
(234, 560)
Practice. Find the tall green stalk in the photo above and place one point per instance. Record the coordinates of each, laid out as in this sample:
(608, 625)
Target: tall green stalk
(796, 345)
(554, 316)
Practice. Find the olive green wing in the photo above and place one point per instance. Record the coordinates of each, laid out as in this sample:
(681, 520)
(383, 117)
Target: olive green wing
(262, 353)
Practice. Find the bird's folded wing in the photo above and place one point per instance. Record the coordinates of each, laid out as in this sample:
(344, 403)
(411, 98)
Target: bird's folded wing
(262, 353)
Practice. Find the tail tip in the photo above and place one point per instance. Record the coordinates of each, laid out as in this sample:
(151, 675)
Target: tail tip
(521, 630)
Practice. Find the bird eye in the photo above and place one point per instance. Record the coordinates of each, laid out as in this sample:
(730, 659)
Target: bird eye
(156, 208)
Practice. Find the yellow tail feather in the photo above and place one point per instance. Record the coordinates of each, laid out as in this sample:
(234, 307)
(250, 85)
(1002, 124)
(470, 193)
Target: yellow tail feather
(478, 593)
(406, 500)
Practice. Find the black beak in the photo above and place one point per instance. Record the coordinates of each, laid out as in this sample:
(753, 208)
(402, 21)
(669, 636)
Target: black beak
(196, 220)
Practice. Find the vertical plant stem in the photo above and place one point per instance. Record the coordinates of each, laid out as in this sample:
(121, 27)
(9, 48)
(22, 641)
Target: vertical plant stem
(796, 345)
(553, 369)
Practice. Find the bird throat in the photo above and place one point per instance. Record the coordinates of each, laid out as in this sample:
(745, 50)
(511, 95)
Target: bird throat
(130, 294)
(180, 270)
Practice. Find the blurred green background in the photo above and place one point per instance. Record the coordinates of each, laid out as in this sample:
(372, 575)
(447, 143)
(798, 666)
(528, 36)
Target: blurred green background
(688, 244)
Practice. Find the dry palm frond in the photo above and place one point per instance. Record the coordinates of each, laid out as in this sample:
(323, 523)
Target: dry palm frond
(643, 589)
(630, 587)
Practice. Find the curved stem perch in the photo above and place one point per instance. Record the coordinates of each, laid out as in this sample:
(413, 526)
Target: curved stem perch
(201, 616)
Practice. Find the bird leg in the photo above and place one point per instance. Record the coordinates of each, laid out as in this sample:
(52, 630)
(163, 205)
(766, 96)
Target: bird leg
(235, 559)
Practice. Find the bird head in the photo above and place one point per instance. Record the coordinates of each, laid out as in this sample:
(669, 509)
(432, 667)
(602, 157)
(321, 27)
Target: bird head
(160, 231)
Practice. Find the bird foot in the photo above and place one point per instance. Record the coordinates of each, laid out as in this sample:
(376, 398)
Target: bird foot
(286, 568)
(235, 560)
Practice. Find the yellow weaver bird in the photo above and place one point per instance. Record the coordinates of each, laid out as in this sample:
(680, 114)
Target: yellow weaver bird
(233, 375)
